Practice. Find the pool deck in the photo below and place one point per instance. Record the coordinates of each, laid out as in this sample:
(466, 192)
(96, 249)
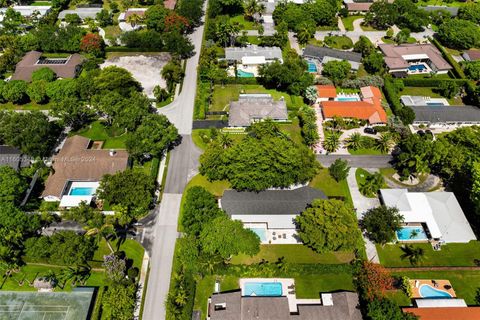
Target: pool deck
(440, 283)
(293, 302)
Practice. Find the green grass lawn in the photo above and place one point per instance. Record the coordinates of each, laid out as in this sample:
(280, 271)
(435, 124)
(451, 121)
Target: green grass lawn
(361, 176)
(339, 42)
(112, 31)
(215, 187)
(365, 151)
(222, 95)
(27, 106)
(133, 250)
(293, 253)
(348, 22)
(98, 132)
(428, 92)
(453, 254)
(244, 24)
(423, 3)
(389, 172)
(465, 282)
(399, 297)
(387, 40)
(253, 40)
(329, 186)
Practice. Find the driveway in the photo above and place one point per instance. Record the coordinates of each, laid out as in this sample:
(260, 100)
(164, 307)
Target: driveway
(366, 161)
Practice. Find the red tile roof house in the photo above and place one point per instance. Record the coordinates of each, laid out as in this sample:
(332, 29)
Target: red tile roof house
(33, 60)
(326, 93)
(369, 108)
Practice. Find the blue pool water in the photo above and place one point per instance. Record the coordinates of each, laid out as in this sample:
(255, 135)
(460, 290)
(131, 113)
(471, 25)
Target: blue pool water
(82, 191)
(435, 104)
(263, 289)
(243, 74)
(406, 234)
(261, 233)
(347, 99)
(312, 67)
(416, 67)
(430, 292)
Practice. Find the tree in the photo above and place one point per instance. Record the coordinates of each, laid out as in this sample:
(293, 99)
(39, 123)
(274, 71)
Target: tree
(253, 7)
(381, 15)
(374, 63)
(385, 309)
(328, 225)
(226, 32)
(154, 135)
(104, 17)
(305, 31)
(73, 18)
(12, 22)
(448, 89)
(472, 70)
(459, 34)
(332, 141)
(118, 301)
(470, 11)
(93, 43)
(160, 94)
(115, 267)
(37, 91)
(336, 71)
(413, 254)
(415, 156)
(135, 19)
(355, 141)
(45, 74)
(117, 79)
(308, 123)
(227, 237)
(155, 17)
(372, 184)
(373, 281)
(339, 170)
(130, 189)
(72, 112)
(12, 185)
(178, 44)
(15, 91)
(364, 46)
(175, 22)
(381, 223)
(62, 89)
(173, 73)
(402, 36)
(199, 209)
(311, 94)
(384, 144)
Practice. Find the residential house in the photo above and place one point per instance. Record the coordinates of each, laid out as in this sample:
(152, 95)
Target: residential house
(170, 4)
(471, 55)
(78, 169)
(270, 213)
(235, 306)
(437, 215)
(83, 13)
(326, 93)
(124, 22)
(406, 59)
(446, 118)
(249, 58)
(27, 11)
(252, 108)
(64, 67)
(12, 157)
(443, 309)
(367, 106)
(453, 11)
(325, 54)
(357, 7)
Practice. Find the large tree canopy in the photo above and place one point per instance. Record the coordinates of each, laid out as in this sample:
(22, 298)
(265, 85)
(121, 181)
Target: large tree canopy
(329, 225)
(460, 34)
(381, 223)
(258, 163)
(12, 184)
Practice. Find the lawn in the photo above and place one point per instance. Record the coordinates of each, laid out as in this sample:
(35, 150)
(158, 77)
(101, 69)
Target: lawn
(361, 177)
(243, 24)
(253, 40)
(293, 253)
(26, 106)
(348, 22)
(215, 187)
(329, 186)
(388, 40)
(98, 132)
(423, 3)
(453, 254)
(399, 297)
(465, 282)
(222, 95)
(428, 92)
(365, 151)
(389, 172)
(339, 42)
(112, 32)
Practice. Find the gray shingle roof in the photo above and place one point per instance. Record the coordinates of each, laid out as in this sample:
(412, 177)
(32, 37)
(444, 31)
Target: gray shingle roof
(321, 52)
(435, 114)
(251, 107)
(12, 157)
(236, 54)
(452, 10)
(270, 201)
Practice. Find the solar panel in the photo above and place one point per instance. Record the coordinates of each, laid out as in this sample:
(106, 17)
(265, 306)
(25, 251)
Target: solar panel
(52, 61)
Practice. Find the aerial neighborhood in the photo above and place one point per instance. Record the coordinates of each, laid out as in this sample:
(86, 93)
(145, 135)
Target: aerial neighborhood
(240, 160)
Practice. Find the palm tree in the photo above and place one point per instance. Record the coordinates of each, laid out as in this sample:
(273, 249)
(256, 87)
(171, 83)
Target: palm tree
(305, 33)
(384, 144)
(413, 254)
(332, 141)
(225, 140)
(372, 184)
(252, 7)
(75, 274)
(134, 19)
(354, 141)
(104, 231)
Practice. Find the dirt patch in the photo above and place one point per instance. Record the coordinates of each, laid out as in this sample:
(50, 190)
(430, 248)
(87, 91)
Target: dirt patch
(145, 68)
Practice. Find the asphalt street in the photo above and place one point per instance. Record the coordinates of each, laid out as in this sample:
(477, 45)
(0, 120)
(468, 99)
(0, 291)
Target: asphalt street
(363, 161)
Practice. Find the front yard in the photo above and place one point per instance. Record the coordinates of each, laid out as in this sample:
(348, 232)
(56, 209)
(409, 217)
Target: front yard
(330, 187)
(453, 254)
(339, 42)
(348, 22)
(429, 92)
(97, 131)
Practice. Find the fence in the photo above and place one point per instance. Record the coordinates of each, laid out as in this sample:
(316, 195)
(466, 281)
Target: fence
(207, 124)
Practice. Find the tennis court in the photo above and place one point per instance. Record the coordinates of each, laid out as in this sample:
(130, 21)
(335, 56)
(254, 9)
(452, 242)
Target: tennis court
(73, 305)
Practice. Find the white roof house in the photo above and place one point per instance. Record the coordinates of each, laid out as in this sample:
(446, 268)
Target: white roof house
(440, 303)
(27, 11)
(439, 211)
(83, 13)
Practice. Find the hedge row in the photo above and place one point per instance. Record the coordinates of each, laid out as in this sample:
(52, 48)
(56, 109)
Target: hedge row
(236, 80)
(201, 100)
(457, 70)
(404, 113)
(97, 309)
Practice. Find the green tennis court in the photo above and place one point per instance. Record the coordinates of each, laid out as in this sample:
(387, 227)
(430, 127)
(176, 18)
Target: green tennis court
(73, 305)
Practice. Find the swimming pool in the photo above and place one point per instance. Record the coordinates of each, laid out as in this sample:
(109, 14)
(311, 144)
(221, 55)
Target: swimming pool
(312, 67)
(347, 99)
(419, 67)
(263, 289)
(427, 291)
(82, 191)
(435, 104)
(261, 233)
(244, 74)
(411, 234)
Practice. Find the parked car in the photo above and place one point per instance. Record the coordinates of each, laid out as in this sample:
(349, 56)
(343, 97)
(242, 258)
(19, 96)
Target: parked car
(421, 133)
(370, 130)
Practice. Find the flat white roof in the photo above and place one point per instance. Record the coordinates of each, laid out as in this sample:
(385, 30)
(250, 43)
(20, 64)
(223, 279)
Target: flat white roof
(418, 56)
(253, 60)
(440, 303)
(74, 201)
(440, 211)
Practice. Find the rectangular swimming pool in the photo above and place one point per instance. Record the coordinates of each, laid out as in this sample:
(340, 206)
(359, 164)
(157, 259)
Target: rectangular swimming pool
(419, 67)
(410, 233)
(312, 67)
(261, 233)
(263, 289)
(244, 74)
(82, 191)
(347, 99)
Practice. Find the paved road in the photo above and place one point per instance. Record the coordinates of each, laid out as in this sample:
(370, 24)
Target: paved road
(161, 228)
(357, 161)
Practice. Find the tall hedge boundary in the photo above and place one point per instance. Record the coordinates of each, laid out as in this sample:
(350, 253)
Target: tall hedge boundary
(457, 70)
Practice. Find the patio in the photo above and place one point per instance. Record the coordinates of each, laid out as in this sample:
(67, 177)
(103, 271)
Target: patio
(437, 285)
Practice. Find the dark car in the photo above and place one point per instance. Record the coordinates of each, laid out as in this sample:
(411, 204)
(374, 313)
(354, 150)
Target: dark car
(421, 133)
(370, 130)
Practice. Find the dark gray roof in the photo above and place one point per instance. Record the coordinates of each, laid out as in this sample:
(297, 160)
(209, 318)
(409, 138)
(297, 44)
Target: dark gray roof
(269, 201)
(252, 107)
(435, 114)
(452, 10)
(12, 157)
(321, 52)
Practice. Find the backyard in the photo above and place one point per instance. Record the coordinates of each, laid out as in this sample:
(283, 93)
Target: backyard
(330, 187)
(97, 131)
(429, 92)
(339, 42)
(243, 24)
